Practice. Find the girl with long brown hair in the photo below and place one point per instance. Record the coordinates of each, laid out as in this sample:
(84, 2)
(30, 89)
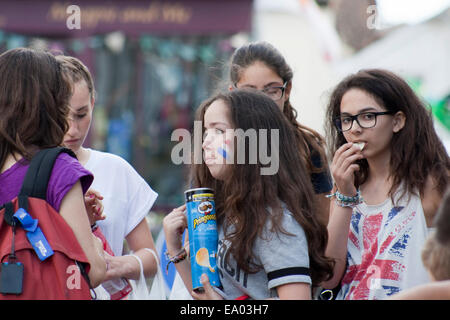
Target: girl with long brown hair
(259, 65)
(390, 171)
(271, 243)
(34, 104)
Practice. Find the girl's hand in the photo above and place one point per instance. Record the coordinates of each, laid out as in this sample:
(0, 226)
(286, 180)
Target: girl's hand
(174, 225)
(120, 267)
(209, 293)
(94, 206)
(343, 168)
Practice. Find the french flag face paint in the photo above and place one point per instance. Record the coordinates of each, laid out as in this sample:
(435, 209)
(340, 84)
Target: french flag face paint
(222, 150)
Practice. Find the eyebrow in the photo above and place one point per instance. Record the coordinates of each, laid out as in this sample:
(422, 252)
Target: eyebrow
(79, 109)
(271, 84)
(368, 109)
(212, 124)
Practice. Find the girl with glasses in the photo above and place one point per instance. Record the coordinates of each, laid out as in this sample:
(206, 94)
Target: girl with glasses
(260, 66)
(390, 171)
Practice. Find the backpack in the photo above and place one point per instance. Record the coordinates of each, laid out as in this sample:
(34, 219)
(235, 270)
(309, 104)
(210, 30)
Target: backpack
(55, 271)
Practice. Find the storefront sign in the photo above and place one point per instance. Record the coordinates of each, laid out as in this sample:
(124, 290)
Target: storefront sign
(86, 17)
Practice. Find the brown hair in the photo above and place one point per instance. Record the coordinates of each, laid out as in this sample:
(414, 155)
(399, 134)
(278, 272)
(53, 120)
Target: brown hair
(416, 150)
(310, 142)
(248, 200)
(436, 258)
(34, 98)
(77, 72)
(436, 251)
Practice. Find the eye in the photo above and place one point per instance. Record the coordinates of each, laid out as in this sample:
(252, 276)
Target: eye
(81, 116)
(368, 116)
(346, 120)
(219, 131)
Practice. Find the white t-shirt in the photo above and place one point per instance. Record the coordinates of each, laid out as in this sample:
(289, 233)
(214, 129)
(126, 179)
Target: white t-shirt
(127, 198)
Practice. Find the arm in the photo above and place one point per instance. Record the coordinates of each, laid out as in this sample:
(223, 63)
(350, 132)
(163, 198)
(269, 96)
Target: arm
(342, 169)
(174, 225)
(431, 291)
(73, 211)
(127, 266)
(289, 291)
(294, 291)
(338, 228)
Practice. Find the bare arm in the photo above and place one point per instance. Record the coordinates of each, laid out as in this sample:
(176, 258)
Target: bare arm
(431, 291)
(73, 211)
(343, 168)
(127, 266)
(174, 225)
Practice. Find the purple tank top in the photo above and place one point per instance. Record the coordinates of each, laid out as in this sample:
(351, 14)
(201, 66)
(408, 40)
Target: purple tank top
(66, 172)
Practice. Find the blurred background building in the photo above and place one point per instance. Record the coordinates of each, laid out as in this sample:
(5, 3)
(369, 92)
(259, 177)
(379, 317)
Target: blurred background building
(154, 61)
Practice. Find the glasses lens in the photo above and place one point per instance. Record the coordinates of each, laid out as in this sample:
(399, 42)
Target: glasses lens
(345, 123)
(275, 93)
(367, 120)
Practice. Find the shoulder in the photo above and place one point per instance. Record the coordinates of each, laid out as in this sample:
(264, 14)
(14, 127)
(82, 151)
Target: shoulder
(66, 172)
(101, 156)
(100, 160)
(290, 229)
(68, 165)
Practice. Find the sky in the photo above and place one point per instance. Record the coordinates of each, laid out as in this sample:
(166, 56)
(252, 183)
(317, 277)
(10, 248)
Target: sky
(409, 11)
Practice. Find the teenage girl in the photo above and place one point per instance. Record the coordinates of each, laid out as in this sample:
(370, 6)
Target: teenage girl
(271, 242)
(390, 171)
(260, 66)
(34, 108)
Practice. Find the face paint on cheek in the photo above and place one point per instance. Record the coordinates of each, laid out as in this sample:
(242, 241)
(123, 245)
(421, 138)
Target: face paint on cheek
(222, 150)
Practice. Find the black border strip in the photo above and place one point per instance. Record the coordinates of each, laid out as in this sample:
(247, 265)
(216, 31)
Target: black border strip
(288, 272)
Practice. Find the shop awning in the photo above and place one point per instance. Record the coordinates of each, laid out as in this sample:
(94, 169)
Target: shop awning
(134, 17)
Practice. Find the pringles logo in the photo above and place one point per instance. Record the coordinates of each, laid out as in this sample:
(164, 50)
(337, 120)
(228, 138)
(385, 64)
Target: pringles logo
(204, 208)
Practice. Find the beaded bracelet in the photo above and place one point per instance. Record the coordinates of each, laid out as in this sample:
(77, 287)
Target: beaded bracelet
(180, 256)
(345, 201)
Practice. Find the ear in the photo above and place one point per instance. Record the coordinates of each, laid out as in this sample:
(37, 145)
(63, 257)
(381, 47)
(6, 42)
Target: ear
(399, 121)
(93, 102)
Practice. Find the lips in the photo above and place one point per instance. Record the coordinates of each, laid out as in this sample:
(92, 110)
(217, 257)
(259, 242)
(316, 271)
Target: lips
(73, 141)
(209, 161)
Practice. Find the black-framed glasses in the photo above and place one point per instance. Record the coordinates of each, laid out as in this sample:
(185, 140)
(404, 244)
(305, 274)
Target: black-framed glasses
(365, 120)
(274, 92)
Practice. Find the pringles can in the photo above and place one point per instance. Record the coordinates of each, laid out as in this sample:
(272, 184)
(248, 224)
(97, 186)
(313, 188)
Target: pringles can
(203, 237)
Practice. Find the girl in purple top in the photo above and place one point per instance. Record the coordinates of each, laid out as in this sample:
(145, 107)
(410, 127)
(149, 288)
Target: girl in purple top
(34, 103)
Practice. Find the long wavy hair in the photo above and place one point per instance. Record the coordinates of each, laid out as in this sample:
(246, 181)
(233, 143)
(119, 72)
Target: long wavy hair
(248, 200)
(310, 142)
(416, 150)
(34, 102)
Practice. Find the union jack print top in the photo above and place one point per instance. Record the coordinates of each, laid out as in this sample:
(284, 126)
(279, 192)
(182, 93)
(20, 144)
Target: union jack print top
(384, 249)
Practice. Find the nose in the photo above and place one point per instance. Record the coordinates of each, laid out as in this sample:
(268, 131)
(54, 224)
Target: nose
(206, 141)
(73, 127)
(356, 128)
